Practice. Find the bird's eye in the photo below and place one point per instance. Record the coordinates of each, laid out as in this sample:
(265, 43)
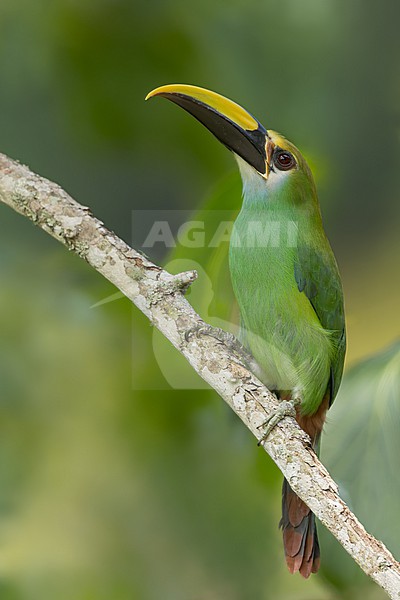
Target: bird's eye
(284, 161)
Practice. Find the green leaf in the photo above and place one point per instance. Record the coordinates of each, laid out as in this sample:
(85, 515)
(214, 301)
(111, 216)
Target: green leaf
(211, 295)
(361, 448)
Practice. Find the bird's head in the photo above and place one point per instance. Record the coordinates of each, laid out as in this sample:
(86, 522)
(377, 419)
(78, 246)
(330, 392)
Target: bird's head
(266, 159)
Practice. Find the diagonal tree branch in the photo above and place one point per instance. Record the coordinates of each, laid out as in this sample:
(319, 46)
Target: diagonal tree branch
(160, 296)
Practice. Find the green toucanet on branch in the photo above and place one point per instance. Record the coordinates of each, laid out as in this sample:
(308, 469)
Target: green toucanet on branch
(286, 283)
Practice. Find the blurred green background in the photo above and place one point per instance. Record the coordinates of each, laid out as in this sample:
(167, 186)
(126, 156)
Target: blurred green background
(110, 489)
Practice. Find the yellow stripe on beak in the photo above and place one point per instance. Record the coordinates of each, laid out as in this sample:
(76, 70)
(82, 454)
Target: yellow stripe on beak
(223, 105)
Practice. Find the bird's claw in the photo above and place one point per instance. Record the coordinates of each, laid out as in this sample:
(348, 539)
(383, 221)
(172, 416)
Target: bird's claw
(287, 408)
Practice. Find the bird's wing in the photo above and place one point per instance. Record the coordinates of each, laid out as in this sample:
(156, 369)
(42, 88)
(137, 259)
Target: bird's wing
(318, 278)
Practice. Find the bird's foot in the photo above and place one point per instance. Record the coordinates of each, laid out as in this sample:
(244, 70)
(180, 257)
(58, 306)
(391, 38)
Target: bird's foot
(226, 338)
(287, 408)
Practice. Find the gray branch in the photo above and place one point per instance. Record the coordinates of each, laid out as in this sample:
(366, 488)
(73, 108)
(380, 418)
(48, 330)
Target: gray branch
(160, 296)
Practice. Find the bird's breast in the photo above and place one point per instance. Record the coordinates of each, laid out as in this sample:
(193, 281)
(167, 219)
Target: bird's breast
(279, 324)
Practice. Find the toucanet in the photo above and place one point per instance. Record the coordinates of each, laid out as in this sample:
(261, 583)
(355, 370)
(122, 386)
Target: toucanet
(286, 282)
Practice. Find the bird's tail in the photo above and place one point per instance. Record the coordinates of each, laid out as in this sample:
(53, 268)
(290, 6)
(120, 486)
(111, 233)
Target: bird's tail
(300, 538)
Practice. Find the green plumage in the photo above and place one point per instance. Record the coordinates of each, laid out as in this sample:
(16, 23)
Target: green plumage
(287, 285)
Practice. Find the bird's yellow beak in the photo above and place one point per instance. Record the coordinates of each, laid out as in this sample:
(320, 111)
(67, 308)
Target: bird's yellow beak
(237, 129)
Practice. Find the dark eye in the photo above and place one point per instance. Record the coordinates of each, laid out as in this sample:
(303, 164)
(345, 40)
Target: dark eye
(284, 161)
